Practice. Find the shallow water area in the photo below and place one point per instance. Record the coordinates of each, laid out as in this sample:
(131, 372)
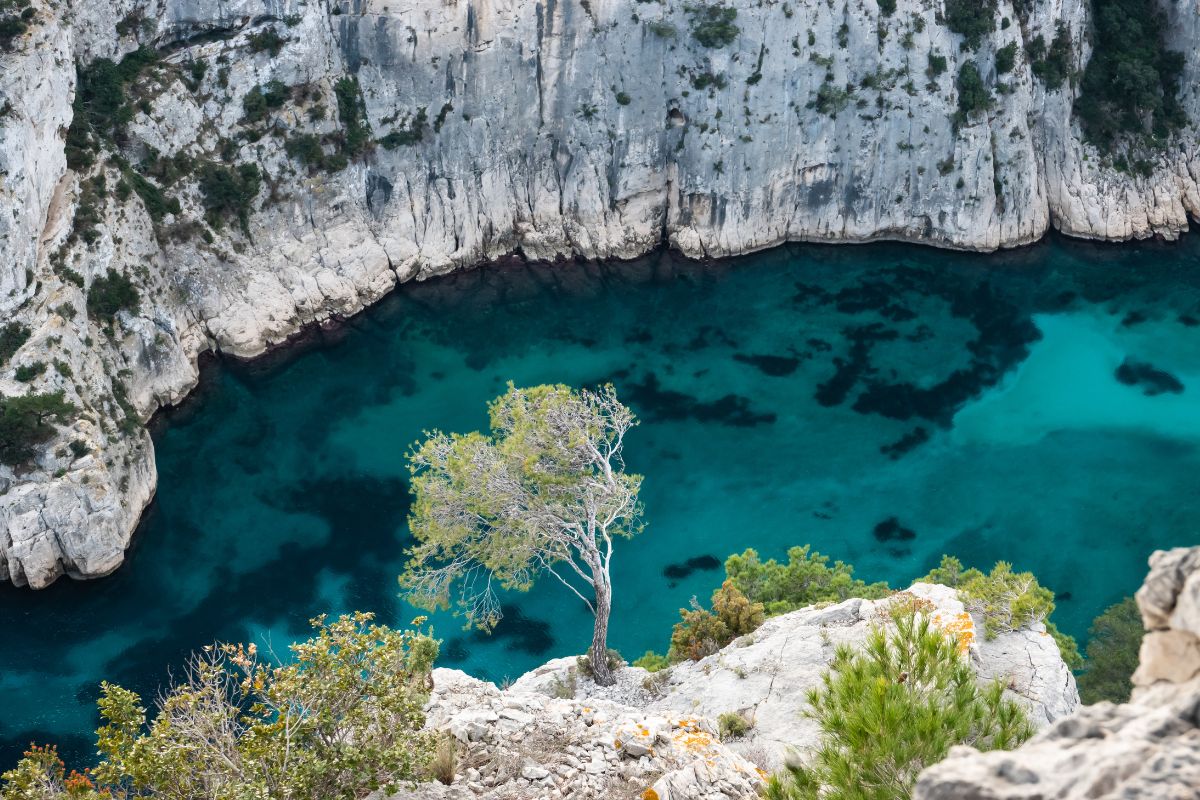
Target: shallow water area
(884, 403)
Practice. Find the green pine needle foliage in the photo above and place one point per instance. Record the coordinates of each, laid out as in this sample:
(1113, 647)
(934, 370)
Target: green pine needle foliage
(893, 707)
(805, 579)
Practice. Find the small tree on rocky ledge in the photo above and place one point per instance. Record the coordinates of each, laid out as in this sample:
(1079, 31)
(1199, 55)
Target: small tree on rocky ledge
(546, 492)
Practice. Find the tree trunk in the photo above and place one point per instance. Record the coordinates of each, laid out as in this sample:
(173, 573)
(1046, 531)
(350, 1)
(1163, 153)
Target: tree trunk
(599, 650)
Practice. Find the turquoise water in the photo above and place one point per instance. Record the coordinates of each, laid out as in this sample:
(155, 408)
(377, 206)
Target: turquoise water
(1038, 406)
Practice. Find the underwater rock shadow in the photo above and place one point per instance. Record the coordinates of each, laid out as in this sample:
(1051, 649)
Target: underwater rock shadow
(649, 399)
(678, 571)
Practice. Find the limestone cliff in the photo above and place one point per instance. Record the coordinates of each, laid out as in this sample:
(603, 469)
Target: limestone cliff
(393, 142)
(1148, 747)
(554, 733)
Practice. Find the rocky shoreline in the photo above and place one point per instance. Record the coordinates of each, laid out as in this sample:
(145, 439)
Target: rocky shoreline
(715, 151)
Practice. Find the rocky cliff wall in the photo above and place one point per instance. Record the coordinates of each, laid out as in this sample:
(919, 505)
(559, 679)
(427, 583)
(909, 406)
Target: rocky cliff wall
(549, 129)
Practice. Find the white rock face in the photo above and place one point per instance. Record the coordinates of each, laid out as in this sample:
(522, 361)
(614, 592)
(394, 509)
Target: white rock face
(522, 744)
(765, 676)
(554, 733)
(547, 128)
(1147, 748)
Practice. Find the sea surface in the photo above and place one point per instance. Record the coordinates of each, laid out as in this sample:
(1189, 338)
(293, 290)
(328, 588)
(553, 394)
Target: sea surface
(884, 403)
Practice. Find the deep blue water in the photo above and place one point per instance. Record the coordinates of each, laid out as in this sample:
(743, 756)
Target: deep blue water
(884, 403)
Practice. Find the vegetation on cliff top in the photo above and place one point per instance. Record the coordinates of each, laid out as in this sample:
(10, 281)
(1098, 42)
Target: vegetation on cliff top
(754, 590)
(343, 718)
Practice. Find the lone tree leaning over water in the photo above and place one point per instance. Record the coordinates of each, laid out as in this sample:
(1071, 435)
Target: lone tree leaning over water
(545, 492)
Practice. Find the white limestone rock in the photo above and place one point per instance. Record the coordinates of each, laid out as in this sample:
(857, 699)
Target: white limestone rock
(766, 675)
(554, 733)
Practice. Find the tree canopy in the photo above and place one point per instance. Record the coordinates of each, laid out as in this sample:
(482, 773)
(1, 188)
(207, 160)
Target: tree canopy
(27, 421)
(545, 491)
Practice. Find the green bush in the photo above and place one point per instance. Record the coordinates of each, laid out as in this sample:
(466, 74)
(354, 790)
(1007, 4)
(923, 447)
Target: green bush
(26, 422)
(27, 372)
(15, 18)
(111, 293)
(267, 40)
(733, 725)
(1131, 81)
(1052, 66)
(407, 135)
(1112, 654)
(352, 111)
(806, 579)
(712, 24)
(157, 204)
(611, 657)
(887, 7)
(831, 99)
(972, 19)
(262, 99)
(652, 662)
(1006, 58)
(892, 708)
(937, 65)
(229, 193)
(973, 95)
(89, 211)
(12, 336)
(102, 107)
(700, 633)
(342, 719)
(1006, 600)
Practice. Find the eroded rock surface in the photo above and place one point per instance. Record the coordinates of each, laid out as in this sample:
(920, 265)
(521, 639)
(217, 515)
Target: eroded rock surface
(547, 129)
(553, 733)
(1147, 748)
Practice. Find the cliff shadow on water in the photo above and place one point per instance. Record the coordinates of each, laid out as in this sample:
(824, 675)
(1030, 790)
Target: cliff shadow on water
(884, 403)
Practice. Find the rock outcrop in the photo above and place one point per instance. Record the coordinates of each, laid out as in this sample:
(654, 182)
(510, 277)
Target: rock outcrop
(1147, 748)
(554, 733)
(402, 141)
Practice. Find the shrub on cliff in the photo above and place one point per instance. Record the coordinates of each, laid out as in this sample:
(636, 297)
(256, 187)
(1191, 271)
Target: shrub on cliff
(1052, 65)
(15, 18)
(341, 720)
(229, 193)
(893, 707)
(103, 105)
(1006, 600)
(973, 19)
(12, 336)
(26, 422)
(352, 111)
(973, 94)
(712, 24)
(1131, 83)
(1112, 654)
(111, 293)
(805, 579)
(700, 633)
